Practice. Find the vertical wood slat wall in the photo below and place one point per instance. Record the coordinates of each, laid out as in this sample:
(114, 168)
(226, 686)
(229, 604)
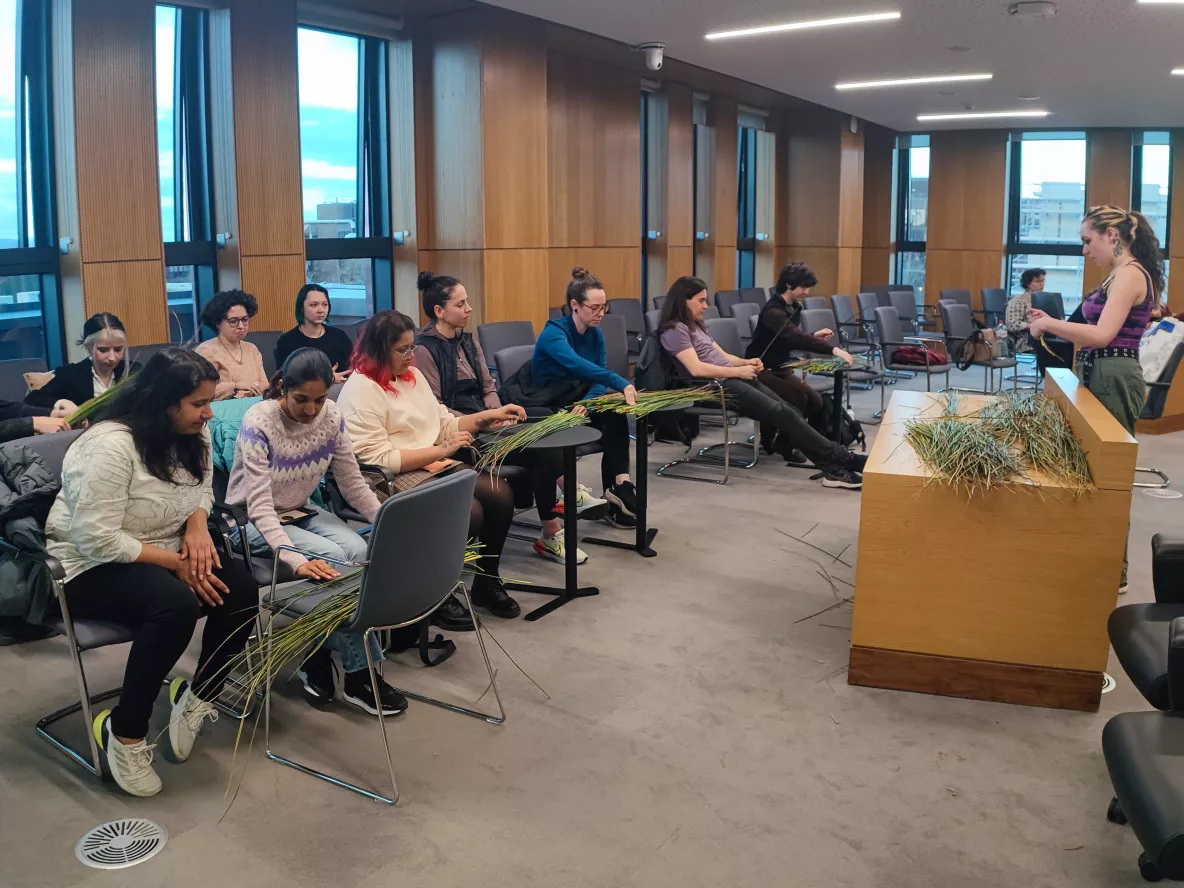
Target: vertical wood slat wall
(1107, 180)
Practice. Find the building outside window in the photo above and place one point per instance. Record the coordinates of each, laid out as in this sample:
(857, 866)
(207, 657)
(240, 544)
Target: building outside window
(912, 212)
(1151, 183)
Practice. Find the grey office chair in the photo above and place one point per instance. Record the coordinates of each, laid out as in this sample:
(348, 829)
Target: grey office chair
(994, 305)
(335, 391)
(265, 341)
(12, 377)
(753, 320)
(1157, 396)
(743, 312)
(711, 313)
(651, 320)
(890, 336)
(853, 334)
(144, 353)
(355, 331)
(415, 557)
(503, 334)
(1050, 303)
(955, 320)
(508, 361)
(616, 344)
(754, 295)
(657, 301)
(817, 302)
(630, 311)
(868, 303)
(962, 296)
(726, 300)
(726, 333)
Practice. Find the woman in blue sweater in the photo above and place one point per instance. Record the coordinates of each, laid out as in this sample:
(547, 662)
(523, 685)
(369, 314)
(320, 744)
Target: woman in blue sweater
(571, 348)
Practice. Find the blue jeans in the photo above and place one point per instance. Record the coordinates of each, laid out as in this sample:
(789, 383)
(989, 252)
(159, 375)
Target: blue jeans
(327, 535)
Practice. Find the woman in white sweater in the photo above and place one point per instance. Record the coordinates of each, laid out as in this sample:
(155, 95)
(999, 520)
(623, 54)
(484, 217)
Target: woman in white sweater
(395, 421)
(129, 527)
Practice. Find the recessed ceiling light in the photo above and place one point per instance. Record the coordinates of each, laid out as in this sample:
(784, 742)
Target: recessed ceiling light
(800, 26)
(1179, 72)
(913, 81)
(1028, 98)
(982, 115)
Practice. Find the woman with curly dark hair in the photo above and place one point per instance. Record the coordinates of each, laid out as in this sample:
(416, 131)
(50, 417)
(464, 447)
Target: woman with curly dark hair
(239, 363)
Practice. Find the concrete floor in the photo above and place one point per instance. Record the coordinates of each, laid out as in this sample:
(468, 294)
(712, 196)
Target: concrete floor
(699, 730)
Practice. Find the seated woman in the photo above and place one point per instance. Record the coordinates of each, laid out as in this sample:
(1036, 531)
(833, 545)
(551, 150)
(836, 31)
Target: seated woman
(778, 333)
(311, 331)
(394, 421)
(452, 362)
(129, 527)
(685, 338)
(239, 363)
(571, 349)
(106, 363)
(285, 446)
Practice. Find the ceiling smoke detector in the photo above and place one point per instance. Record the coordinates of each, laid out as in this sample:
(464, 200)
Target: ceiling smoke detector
(1038, 9)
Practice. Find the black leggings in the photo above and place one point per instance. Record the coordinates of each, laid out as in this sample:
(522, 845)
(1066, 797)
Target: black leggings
(757, 401)
(545, 467)
(614, 439)
(489, 519)
(163, 612)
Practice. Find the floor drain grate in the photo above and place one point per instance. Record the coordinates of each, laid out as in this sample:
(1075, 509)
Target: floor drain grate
(121, 843)
(1164, 493)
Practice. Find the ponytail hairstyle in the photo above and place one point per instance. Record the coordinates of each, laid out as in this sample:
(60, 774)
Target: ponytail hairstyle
(303, 365)
(437, 290)
(1136, 234)
(372, 352)
(794, 275)
(674, 306)
(581, 282)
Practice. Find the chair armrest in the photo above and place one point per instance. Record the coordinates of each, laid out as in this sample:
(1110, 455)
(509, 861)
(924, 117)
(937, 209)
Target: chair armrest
(1167, 568)
(236, 515)
(1176, 664)
(217, 522)
(51, 564)
(1159, 385)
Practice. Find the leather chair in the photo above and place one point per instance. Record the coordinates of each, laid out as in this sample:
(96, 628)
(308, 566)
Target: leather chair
(742, 312)
(711, 313)
(853, 334)
(725, 300)
(817, 302)
(994, 305)
(501, 335)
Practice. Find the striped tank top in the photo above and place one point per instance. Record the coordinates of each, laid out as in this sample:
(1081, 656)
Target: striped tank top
(1131, 332)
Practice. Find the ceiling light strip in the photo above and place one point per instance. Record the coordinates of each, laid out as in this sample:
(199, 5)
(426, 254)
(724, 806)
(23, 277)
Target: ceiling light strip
(913, 81)
(981, 115)
(1179, 72)
(802, 26)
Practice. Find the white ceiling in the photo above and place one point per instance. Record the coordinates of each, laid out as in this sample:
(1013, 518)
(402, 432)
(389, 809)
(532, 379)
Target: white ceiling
(1095, 63)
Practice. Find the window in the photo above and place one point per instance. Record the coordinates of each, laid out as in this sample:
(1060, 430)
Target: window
(645, 199)
(344, 166)
(30, 311)
(912, 211)
(1151, 180)
(183, 146)
(1045, 209)
(745, 207)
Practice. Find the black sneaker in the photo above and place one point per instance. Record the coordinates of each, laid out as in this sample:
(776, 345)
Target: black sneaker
(618, 517)
(316, 674)
(453, 616)
(356, 689)
(840, 476)
(624, 497)
(795, 457)
(855, 461)
(489, 593)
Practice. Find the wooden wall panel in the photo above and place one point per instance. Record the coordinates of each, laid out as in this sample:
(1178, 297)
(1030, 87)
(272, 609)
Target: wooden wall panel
(468, 267)
(680, 184)
(723, 117)
(1107, 180)
(1176, 246)
(850, 200)
(134, 291)
(823, 261)
(594, 156)
(267, 128)
(514, 137)
(814, 171)
(961, 269)
(618, 268)
(516, 286)
(877, 206)
(680, 261)
(274, 282)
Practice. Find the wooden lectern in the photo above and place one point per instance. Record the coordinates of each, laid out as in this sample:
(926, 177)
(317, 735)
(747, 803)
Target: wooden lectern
(1001, 597)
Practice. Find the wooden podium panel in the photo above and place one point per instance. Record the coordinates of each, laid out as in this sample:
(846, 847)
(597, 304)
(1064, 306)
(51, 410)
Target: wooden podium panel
(1004, 596)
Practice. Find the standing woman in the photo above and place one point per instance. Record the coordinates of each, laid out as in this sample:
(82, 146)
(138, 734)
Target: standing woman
(1116, 314)
(106, 363)
(239, 363)
(311, 331)
(129, 528)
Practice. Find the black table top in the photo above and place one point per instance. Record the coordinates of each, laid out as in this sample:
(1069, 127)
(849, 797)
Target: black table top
(576, 437)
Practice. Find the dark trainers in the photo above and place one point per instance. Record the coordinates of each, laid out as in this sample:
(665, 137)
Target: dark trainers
(855, 461)
(356, 689)
(489, 593)
(618, 517)
(453, 616)
(795, 457)
(839, 476)
(316, 675)
(624, 497)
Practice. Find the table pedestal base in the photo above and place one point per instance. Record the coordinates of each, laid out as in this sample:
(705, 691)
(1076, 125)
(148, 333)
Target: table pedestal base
(641, 546)
(562, 596)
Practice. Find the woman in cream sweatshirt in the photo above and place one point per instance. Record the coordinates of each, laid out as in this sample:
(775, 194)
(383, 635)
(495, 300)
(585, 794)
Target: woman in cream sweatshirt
(395, 421)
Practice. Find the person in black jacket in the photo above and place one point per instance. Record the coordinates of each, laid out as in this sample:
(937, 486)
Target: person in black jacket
(311, 331)
(105, 341)
(19, 420)
(778, 334)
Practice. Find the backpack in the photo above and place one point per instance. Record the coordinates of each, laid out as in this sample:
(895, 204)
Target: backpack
(654, 370)
(918, 356)
(522, 390)
(850, 429)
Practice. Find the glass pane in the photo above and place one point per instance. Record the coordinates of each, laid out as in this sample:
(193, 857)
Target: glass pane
(1052, 191)
(350, 283)
(166, 33)
(1064, 275)
(22, 333)
(8, 190)
(328, 72)
(1153, 192)
(911, 272)
(917, 207)
(181, 287)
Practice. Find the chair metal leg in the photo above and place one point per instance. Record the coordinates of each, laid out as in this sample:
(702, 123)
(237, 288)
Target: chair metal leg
(705, 457)
(1165, 480)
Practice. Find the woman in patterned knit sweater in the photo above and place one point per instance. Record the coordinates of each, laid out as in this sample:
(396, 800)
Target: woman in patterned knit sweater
(285, 445)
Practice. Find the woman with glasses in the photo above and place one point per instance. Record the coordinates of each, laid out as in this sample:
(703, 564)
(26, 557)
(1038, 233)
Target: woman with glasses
(239, 363)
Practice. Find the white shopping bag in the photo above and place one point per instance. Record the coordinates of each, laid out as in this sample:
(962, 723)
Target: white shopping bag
(1157, 346)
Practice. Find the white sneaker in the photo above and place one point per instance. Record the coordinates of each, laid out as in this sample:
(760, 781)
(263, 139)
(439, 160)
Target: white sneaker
(130, 763)
(188, 715)
(1123, 589)
(588, 507)
(552, 548)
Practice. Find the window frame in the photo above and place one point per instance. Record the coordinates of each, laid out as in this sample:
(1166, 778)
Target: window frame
(1137, 145)
(746, 167)
(903, 245)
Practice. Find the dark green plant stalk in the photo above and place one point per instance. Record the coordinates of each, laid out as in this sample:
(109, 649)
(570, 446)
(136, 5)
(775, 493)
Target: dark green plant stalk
(648, 402)
(88, 409)
(825, 365)
(529, 433)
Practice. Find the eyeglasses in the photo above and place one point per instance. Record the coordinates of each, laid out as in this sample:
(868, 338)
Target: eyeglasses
(238, 322)
(407, 353)
(596, 309)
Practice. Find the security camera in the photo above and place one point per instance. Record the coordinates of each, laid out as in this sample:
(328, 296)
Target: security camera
(653, 54)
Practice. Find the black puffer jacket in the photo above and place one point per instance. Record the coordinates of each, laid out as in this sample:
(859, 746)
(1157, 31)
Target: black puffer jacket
(27, 491)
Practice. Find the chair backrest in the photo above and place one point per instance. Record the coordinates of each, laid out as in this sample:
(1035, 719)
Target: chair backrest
(815, 319)
(657, 301)
(843, 309)
(355, 332)
(500, 335)
(904, 303)
(955, 319)
(51, 448)
(144, 353)
(882, 291)
(743, 311)
(726, 300)
(630, 311)
(416, 552)
(12, 377)
(753, 320)
(651, 320)
(265, 341)
(868, 303)
(888, 330)
(726, 333)
(817, 302)
(509, 361)
(616, 344)
(711, 313)
(335, 391)
(994, 304)
(754, 295)
(1157, 396)
(1049, 303)
(962, 296)
(554, 313)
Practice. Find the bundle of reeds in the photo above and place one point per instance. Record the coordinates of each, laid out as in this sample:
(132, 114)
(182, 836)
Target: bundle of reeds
(825, 365)
(88, 409)
(648, 402)
(962, 453)
(1037, 428)
(530, 433)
